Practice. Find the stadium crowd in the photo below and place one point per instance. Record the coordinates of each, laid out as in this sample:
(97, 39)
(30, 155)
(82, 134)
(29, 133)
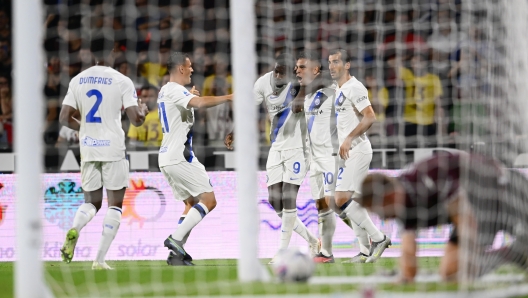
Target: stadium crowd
(409, 56)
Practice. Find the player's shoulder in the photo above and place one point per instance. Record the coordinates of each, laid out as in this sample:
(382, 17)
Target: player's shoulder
(174, 90)
(263, 80)
(329, 90)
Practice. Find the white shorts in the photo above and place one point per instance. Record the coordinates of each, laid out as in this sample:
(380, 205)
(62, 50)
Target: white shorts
(113, 175)
(187, 179)
(353, 171)
(287, 166)
(323, 176)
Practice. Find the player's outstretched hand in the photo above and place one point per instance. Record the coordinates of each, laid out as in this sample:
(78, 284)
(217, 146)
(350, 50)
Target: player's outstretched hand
(142, 107)
(194, 91)
(345, 148)
(228, 141)
(298, 105)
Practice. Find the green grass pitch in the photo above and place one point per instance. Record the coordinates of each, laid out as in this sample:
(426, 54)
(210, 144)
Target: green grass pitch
(208, 277)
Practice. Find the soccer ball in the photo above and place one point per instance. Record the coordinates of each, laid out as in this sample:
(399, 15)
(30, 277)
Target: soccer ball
(293, 265)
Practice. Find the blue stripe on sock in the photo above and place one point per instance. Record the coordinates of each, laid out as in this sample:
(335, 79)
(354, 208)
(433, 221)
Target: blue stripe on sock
(117, 209)
(181, 220)
(345, 205)
(200, 209)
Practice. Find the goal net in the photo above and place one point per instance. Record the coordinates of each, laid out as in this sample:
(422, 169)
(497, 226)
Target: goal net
(443, 76)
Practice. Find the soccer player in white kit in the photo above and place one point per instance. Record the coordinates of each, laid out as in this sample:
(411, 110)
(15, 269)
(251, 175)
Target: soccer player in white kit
(354, 117)
(286, 166)
(98, 94)
(186, 175)
(322, 139)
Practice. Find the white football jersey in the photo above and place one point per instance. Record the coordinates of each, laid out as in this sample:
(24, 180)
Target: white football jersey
(285, 125)
(99, 93)
(176, 120)
(351, 99)
(321, 121)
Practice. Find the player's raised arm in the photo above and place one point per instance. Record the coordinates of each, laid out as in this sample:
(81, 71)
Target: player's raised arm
(209, 101)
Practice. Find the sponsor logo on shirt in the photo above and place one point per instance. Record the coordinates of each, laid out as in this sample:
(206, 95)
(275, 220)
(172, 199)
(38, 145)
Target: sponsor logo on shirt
(160, 95)
(362, 98)
(163, 149)
(89, 142)
(186, 93)
(135, 94)
(293, 91)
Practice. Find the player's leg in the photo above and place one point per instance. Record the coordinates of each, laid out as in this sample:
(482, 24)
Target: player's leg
(322, 185)
(115, 180)
(188, 180)
(293, 173)
(355, 170)
(189, 203)
(327, 225)
(91, 182)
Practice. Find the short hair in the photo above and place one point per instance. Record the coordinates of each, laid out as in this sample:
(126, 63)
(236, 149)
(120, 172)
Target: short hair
(310, 55)
(374, 188)
(149, 87)
(345, 57)
(101, 47)
(175, 59)
(284, 60)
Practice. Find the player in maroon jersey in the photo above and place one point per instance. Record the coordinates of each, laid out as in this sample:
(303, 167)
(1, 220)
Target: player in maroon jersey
(437, 191)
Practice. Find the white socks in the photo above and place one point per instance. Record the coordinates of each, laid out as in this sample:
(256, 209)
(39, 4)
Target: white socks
(363, 239)
(194, 216)
(182, 218)
(327, 226)
(111, 224)
(301, 229)
(289, 216)
(84, 214)
(360, 216)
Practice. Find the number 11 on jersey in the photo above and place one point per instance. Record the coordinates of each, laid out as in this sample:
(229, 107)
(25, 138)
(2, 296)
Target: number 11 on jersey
(163, 117)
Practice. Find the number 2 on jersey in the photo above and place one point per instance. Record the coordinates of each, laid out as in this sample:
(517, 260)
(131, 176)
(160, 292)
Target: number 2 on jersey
(163, 117)
(90, 117)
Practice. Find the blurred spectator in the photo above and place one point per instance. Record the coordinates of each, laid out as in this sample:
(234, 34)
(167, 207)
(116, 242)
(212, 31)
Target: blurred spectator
(220, 83)
(443, 42)
(53, 86)
(423, 110)
(149, 134)
(154, 69)
(379, 99)
(6, 62)
(125, 69)
(6, 118)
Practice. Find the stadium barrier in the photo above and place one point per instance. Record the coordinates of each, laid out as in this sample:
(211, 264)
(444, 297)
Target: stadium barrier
(213, 158)
(150, 214)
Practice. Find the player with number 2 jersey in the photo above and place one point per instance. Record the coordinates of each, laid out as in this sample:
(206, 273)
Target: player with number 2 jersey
(98, 94)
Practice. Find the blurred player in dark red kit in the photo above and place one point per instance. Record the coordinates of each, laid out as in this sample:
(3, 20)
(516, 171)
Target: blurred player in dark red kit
(475, 194)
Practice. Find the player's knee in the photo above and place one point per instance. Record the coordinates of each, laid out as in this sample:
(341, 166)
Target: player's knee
(208, 200)
(321, 205)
